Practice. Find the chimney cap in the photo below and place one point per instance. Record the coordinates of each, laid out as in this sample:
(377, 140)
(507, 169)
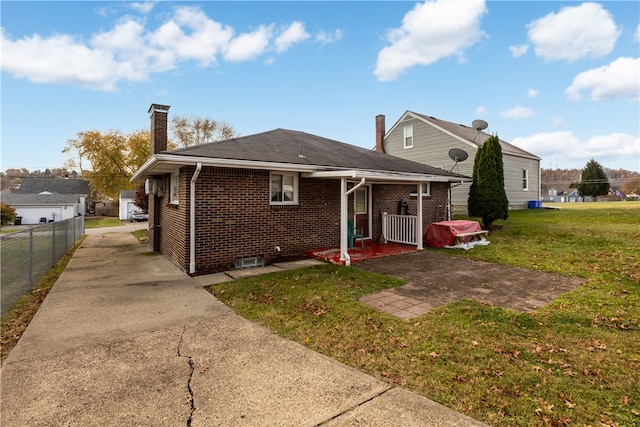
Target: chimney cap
(159, 108)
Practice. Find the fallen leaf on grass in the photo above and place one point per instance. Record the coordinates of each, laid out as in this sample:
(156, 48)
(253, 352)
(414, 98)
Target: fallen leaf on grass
(434, 354)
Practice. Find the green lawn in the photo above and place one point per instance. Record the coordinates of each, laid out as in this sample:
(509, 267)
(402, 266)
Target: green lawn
(574, 362)
(102, 222)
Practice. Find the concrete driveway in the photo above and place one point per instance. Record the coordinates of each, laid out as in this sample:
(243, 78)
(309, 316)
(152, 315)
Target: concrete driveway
(125, 338)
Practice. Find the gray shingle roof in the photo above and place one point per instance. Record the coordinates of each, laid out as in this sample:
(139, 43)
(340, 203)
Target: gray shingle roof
(19, 199)
(36, 185)
(299, 148)
(471, 135)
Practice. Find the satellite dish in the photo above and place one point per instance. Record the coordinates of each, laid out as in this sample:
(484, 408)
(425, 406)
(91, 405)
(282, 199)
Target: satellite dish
(457, 155)
(479, 125)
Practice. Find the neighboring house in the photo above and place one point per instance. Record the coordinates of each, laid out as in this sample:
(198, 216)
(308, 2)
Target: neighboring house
(69, 186)
(274, 195)
(126, 205)
(44, 207)
(555, 196)
(429, 140)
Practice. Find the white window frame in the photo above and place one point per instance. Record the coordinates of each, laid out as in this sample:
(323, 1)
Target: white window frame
(426, 190)
(525, 180)
(293, 175)
(361, 190)
(408, 136)
(174, 188)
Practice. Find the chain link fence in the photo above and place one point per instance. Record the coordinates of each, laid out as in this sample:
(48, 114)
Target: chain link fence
(26, 256)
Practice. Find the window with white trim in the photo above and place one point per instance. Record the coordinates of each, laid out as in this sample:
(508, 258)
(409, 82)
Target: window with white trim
(360, 200)
(426, 190)
(174, 193)
(408, 136)
(525, 180)
(284, 188)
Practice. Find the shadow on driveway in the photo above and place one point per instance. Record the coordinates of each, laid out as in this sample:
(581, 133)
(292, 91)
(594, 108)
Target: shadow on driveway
(436, 279)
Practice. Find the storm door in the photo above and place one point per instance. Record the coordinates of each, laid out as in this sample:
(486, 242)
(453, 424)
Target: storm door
(362, 209)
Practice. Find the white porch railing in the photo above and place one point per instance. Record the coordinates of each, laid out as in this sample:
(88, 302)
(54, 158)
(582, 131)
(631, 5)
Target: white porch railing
(400, 228)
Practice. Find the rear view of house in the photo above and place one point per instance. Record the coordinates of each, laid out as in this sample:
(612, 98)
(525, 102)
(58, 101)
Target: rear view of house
(430, 140)
(274, 195)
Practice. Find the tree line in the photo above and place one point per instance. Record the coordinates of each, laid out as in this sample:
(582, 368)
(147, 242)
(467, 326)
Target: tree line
(109, 159)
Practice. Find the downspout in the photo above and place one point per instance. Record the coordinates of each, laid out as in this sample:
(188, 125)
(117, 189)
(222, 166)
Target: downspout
(450, 195)
(344, 213)
(192, 220)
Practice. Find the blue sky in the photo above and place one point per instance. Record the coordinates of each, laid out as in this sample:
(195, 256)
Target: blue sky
(560, 79)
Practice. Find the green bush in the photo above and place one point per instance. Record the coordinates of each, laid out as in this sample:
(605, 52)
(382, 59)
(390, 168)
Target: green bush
(8, 214)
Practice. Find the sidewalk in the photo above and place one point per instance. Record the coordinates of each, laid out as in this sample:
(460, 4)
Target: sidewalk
(125, 338)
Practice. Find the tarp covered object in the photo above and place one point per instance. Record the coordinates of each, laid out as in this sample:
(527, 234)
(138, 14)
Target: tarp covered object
(440, 234)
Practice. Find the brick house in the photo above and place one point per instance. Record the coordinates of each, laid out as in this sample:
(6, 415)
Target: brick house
(273, 195)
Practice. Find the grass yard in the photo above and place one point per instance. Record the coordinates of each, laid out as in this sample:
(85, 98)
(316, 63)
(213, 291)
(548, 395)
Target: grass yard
(574, 362)
(102, 222)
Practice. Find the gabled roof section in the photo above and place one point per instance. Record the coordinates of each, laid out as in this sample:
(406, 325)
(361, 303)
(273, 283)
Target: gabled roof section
(296, 150)
(465, 133)
(35, 185)
(19, 199)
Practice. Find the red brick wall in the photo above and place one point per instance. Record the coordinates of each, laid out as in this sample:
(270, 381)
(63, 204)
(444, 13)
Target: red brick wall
(386, 197)
(235, 220)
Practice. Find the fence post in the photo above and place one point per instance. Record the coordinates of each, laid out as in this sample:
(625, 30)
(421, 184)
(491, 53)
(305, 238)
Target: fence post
(30, 276)
(53, 244)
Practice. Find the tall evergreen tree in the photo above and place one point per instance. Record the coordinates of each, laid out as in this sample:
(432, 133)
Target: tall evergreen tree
(593, 181)
(487, 196)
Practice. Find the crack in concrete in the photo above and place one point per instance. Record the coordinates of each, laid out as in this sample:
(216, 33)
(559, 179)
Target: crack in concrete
(357, 405)
(192, 369)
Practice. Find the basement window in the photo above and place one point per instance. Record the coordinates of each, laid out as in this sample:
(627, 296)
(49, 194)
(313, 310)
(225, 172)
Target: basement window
(284, 188)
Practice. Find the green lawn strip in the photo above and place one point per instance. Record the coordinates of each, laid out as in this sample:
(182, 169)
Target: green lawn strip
(102, 222)
(573, 362)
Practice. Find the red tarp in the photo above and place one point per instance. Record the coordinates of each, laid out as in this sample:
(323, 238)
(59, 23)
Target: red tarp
(443, 233)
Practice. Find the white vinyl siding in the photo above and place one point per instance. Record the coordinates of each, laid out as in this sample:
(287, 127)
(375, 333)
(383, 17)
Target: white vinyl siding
(431, 147)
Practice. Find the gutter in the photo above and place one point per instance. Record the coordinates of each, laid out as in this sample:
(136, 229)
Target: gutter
(192, 220)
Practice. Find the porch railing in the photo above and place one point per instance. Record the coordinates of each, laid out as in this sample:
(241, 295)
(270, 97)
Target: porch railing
(400, 228)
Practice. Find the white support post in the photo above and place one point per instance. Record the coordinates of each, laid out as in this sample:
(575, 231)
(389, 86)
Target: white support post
(419, 224)
(344, 244)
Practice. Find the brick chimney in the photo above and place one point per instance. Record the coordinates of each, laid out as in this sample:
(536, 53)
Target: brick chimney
(380, 131)
(158, 114)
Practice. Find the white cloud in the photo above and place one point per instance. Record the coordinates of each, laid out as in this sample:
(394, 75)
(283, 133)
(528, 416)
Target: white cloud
(609, 150)
(73, 62)
(130, 51)
(249, 45)
(532, 93)
(518, 50)
(517, 112)
(295, 33)
(142, 7)
(557, 121)
(481, 111)
(430, 32)
(324, 37)
(621, 78)
(575, 32)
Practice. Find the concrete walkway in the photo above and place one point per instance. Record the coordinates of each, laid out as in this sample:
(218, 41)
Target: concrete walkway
(125, 338)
